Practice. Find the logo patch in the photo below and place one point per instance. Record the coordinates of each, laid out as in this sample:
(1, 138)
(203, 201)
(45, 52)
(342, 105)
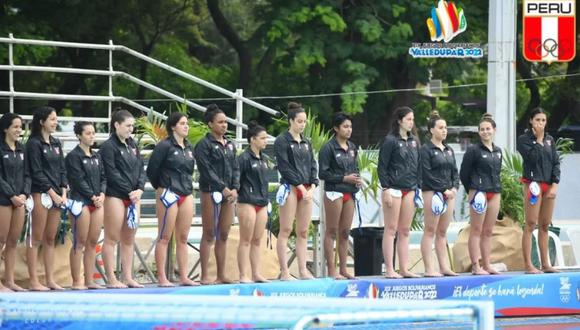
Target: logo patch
(549, 30)
(446, 21)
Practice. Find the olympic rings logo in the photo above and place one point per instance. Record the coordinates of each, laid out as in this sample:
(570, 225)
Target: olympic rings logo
(550, 45)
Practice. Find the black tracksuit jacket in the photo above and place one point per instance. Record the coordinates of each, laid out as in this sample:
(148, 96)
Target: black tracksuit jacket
(171, 166)
(253, 178)
(86, 175)
(123, 167)
(46, 164)
(481, 168)
(217, 164)
(335, 163)
(438, 168)
(14, 176)
(399, 160)
(541, 162)
(295, 160)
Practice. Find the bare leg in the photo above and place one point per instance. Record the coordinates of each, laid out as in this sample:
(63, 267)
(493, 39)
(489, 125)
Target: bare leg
(441, 239)
(115, 213)
(90, 256)
(247, 219)
(127, 251)
(303, 219)
(182, 227)
(255, 249)
(532, 213)
(16, 225)
(226, 219)
(5, 220)
(166, 224)
(546, 211)
(39, 217)
(343, 236)
(429, 235)
(207, 236)
(403, 231)
(48, 243)
(333, 211)
(493, 206)
(287, 214)
(80, 232)
(391, 217)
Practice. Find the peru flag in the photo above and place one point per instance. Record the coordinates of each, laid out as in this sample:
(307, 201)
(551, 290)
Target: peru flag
(549, 30)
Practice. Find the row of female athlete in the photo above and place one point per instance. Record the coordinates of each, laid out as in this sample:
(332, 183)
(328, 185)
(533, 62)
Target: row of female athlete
(103, 190)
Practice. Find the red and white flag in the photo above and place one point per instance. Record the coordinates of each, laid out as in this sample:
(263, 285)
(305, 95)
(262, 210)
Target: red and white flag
(549, 30)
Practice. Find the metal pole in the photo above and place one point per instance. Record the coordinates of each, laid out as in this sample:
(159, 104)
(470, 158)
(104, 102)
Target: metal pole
(320, 268)
(110, 79)
(239, 116)
(11, 72)
(501, 85)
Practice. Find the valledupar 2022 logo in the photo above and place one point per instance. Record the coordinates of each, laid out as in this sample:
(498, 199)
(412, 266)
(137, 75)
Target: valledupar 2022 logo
(446, 22)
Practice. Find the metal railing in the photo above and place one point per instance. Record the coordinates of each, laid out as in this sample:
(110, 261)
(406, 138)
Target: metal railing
(111, 73)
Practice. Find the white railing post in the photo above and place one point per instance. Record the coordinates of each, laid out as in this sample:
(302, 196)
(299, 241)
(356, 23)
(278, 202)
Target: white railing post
(239, 116)
(11, 72)
(110, 110)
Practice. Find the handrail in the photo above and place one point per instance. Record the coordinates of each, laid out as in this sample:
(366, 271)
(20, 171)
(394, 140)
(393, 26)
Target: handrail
(139, 55)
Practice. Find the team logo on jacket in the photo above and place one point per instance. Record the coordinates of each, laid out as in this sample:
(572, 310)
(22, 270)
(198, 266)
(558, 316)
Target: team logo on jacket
(338, 155)
(21, 156)
(449, 153)
(351, 152)
(414, 144)
(306, 146)
(84, 161)
(190, 154)
(57, 150)
(176, 152)
(134, 151)
(7, 156)
(549, 142)
(231, 147)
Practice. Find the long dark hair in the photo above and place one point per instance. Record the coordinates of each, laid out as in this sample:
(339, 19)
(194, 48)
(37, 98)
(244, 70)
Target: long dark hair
(173, 119)
(533, 113)
(399, 114)
(5, 123)
(40, 114)
(119, 116)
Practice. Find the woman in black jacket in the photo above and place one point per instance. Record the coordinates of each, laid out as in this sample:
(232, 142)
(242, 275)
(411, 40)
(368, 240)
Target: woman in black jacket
(14, 192)
(170, 171)
(440, 179)
(86, 177)
(481, 178)
(49, 192)
(219, 182)
(253, 203)
(298, 178)
(541, 178)
(125, 184)
(339, 170)
(399, 174)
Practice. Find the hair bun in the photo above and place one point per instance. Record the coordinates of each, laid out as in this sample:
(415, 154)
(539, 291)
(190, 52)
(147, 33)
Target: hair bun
(487, 115)
(294, 106)
(253, 124)
(212, 107)
(434, 115)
